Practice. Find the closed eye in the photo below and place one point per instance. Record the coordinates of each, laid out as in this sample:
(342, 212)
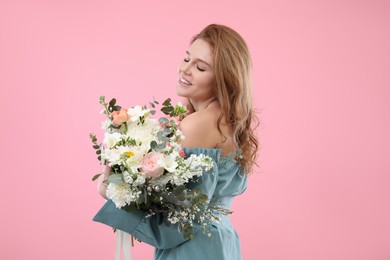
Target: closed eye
(200, 69)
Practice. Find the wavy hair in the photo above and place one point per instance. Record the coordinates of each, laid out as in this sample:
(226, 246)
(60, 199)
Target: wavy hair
(233, 74)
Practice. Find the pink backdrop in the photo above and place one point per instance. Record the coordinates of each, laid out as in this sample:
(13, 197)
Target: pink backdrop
(321, 79)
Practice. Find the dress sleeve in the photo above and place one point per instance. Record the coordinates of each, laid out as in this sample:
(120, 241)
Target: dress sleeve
(153, 230)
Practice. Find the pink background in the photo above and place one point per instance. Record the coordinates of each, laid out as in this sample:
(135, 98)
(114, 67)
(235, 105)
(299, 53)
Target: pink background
(321, 80)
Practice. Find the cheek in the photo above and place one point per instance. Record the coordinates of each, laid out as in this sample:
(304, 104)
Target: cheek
(208, 83)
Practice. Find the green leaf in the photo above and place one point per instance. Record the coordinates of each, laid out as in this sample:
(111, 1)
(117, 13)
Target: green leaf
(98, 151)
(112, 102)
(96, 146)
(153, 144)
(161, 145)
(167, 102)
(152, 112)
(167, 110)
(116, 108)
(115, 178)
(167, 131)
(152, 105)
(99, 157)
(96, 176)
(179, 189)
(163, 120)
(92, 137)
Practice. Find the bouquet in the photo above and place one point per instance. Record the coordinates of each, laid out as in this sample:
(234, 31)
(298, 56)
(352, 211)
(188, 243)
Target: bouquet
(150, 170)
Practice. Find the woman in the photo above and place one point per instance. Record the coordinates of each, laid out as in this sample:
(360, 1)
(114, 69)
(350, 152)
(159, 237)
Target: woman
(214, 78)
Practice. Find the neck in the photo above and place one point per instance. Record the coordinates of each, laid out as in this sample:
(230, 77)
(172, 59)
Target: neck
(202, 105)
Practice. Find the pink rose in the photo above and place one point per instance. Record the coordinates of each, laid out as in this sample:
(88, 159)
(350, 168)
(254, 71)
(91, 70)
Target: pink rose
(149, 165)
(119, 117)
(182, 154)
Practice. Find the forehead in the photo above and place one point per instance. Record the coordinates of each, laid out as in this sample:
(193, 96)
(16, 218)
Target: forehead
(200, 49)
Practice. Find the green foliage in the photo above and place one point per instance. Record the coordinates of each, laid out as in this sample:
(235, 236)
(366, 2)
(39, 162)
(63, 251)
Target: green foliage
(163, 120)
(153, 145)
(96, 176)
(115, 178)
(95, 146)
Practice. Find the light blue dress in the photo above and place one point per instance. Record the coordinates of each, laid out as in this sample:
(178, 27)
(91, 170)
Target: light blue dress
(222, 184)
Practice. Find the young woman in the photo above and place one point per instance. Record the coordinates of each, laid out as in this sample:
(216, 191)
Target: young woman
(215, 79)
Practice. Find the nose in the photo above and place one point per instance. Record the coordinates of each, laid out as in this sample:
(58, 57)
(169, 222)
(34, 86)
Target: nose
(184, 67)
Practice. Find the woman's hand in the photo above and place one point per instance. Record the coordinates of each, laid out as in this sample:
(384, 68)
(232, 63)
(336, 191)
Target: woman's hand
(102, 188)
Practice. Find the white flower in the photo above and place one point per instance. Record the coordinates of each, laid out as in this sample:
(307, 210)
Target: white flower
(106, 124)
(127, 177)
(111, 139)
(136, 112)
(169, 163)
(112, 156)
(179, 135)
(143, 134)
(121, 194)
(139, 181)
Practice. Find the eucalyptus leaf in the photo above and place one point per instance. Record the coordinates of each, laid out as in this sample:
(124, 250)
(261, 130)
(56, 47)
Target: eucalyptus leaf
(163, 120)
(153, 144)
(186, 203)
(115, 178)
(162, 145)
(96, 176)
(92, 137)
(167, 131)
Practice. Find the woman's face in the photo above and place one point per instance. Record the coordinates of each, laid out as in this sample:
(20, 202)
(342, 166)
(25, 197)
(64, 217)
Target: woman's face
(196, 73)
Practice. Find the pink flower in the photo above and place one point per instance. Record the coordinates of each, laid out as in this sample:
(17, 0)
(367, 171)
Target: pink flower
(119, 117)
(182, 154)
(149, 165)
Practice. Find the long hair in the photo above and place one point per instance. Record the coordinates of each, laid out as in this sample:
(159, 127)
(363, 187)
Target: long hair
(233, 74)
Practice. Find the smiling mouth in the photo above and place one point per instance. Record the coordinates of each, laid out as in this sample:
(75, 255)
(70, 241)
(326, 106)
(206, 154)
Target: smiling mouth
(184, 81)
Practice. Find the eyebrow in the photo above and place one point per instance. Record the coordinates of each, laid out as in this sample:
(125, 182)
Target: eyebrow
(199, 59)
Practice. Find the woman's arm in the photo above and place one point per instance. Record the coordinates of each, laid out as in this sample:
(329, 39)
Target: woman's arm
(102, 188)
(153, 230)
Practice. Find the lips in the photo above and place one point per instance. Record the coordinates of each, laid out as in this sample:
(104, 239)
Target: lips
(184, 81)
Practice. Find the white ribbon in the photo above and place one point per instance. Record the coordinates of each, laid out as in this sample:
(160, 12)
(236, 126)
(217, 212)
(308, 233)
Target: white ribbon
(122, 242)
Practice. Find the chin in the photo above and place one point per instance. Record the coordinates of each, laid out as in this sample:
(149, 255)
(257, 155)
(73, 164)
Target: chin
(181, 92)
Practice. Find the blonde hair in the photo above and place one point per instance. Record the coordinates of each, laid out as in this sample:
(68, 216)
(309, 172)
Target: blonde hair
(233, 69)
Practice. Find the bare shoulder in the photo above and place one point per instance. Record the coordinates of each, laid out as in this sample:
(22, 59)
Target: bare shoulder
(200, 130)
